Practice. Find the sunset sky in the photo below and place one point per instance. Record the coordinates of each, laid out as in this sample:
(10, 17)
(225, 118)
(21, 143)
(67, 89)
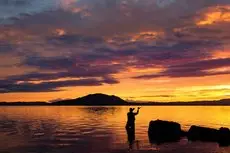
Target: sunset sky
(141, 50)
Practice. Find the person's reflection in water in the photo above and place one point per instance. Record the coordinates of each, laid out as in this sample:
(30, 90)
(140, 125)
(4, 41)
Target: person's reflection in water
(130, 126)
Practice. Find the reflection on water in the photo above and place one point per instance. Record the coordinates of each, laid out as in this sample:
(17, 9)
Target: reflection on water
(101, 129)
(100, 110)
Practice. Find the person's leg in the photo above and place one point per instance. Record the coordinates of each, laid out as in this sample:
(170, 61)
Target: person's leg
(131, 134)
(127, 126)
(132, 126)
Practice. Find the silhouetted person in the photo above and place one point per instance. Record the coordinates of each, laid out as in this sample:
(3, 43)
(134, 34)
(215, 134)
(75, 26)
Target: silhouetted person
(130, 125)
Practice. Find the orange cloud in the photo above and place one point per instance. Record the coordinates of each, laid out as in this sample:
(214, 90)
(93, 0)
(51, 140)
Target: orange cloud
(147, 36)
(221, 54)
(60, 32)
(144, 36)
(214, 15)
(219, 70)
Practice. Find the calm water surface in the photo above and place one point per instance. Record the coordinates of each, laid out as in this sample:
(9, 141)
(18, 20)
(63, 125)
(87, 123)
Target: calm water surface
(101, 129)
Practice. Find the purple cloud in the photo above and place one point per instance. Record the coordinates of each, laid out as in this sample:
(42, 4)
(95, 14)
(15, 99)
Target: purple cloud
(50, 86)
(195, 69)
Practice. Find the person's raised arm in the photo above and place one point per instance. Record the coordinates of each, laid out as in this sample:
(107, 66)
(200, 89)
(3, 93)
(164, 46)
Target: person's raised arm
(137, 111)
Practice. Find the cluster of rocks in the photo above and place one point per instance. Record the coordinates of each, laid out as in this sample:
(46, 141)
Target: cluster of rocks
(165, 131)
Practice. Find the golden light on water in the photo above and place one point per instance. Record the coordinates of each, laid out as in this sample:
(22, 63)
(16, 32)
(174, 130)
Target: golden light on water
(69, 127)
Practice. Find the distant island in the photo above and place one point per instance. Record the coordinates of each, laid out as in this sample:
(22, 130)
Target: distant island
(100, 99)
(94, 99)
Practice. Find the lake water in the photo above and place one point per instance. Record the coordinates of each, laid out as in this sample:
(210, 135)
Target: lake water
(101, 129)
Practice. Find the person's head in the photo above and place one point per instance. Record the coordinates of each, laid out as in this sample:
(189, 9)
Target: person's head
(131, 109)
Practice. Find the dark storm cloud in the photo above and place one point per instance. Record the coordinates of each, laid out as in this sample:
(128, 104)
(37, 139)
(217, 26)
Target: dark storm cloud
(75, 73)
(181, 50)
(7, 86)
(6, 47)
(98, 62)
(148, 55)
(56, 63)
(86, 75)
(36, 76)
(110, 80)
(61, 67)
(14, 8)
(15, 2)
(79, 66)
(69, 39)
(130, 14)
(19, 83)
(196, 69)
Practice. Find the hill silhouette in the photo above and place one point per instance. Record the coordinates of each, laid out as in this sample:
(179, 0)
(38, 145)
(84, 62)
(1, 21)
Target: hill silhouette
(100, 99)
(94, 99)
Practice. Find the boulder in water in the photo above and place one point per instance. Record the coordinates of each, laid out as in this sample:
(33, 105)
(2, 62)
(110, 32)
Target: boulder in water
(164, 131)
(224, 137)
(202, 134)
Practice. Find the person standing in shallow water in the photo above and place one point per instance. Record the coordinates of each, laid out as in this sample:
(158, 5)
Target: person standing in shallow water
(130, 125)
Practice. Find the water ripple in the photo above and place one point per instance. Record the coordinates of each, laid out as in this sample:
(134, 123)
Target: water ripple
(98, 130)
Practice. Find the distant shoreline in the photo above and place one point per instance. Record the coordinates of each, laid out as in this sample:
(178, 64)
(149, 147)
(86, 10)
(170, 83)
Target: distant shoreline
(111, 100)
(131, 104)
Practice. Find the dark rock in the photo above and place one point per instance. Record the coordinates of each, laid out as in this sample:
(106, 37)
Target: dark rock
(164, 131)
(224, 137)
(202, 134)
